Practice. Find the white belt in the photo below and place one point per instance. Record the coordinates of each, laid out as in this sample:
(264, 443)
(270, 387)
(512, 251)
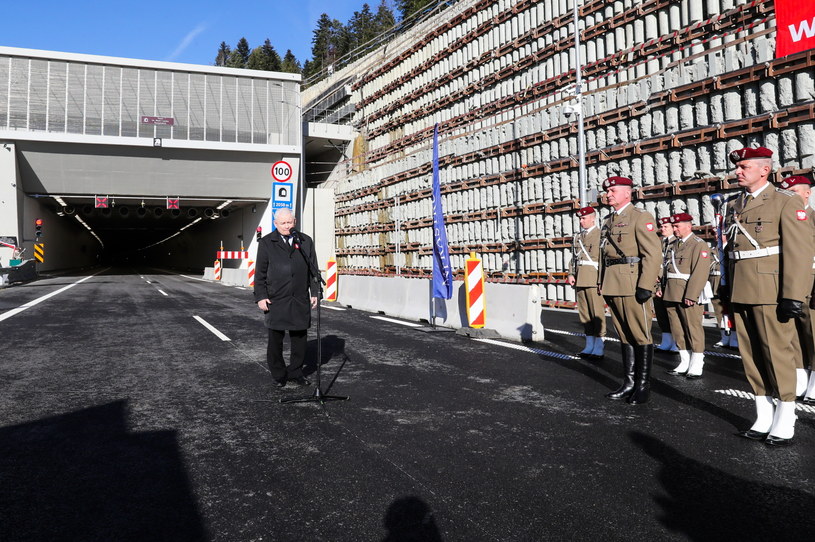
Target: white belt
(758, 253)
(596, 266)
(682, 276)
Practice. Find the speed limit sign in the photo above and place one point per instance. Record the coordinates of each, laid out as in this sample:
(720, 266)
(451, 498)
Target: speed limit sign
(281, 171)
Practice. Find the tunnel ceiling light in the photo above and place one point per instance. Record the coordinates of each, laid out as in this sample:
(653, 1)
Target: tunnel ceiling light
(60, 201)
(197, 220)
(224, 204)
(79, 219)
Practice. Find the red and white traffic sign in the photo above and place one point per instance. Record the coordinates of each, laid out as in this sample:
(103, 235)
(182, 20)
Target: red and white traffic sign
(282, 171)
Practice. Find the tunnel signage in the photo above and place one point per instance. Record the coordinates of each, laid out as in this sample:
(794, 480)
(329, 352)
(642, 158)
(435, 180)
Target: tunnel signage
(158, 121)
(100, 202)
(173, 203)
(282, 171)
(282, 196)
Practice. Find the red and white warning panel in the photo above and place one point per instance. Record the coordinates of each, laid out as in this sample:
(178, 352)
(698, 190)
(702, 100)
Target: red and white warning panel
(331, 280)
(233, 255)
(217, 269)
(474, 285)
(250, 273)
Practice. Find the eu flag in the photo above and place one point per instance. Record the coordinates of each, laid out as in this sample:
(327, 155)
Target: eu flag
(442, 272)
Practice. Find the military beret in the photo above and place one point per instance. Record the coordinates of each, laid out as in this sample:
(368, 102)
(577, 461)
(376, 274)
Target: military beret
(664, 220)
(617, 181)
(583, 211)
(793, 180)
(748, 153)
(681, 217)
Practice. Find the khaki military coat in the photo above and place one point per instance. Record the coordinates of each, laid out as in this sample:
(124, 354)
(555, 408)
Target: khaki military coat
(691, 257)
(629, 233)
(585, 275)
(775, 218)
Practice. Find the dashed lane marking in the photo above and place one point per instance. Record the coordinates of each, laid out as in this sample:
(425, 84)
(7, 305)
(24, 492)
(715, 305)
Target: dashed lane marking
(612, 339)
(212, 329)
(394, 321)
(194, 278)
(21, 308)
(162, 292)
(747, 395)
(546, 353)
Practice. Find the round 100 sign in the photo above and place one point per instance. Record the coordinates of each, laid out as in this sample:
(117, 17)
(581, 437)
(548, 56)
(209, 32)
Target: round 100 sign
(281, 171)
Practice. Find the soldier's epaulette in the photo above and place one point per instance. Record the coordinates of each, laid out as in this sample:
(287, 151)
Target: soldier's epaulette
(785, 192)
(700, 240)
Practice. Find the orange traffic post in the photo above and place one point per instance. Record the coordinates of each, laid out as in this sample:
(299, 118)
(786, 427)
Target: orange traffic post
(331, 281)
(474, 286)
(251, 273)
(217, 269)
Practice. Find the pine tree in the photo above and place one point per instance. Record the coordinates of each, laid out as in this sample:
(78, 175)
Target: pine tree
(384, 19)
(240, 55)
(264, 58)
(409, 7)
(223, 54)
(290, 63)
(327, 43)
(362, 27)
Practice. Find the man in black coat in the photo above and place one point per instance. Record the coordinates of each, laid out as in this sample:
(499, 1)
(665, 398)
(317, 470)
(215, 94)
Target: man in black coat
(286, 291)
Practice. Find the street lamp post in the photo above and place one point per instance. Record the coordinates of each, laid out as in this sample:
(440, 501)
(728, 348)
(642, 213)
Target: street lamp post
(578, 90)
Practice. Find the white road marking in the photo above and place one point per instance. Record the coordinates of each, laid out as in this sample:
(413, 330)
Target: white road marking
(747, 395)
(530, 349)
(162, 292)
(194, 278)
(212, 328)
(337, 309)
(21, 308)
(394, 321)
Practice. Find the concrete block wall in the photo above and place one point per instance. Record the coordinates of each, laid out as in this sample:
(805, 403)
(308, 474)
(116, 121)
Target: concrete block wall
(670, 87)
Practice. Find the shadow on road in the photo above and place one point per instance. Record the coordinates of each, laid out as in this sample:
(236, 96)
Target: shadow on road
(705, 503)
(409, 519)
(83, 476)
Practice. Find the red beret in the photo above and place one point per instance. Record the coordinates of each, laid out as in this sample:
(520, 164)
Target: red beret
(681, 217)
(583, 211)
(664, 220)
(795, 179)
(749, 153)
(617, 181)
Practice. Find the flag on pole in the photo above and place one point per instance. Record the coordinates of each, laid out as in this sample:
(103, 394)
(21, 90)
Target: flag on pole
(442, 272)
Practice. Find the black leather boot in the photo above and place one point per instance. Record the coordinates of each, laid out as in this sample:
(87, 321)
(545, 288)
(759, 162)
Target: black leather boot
(643, 359)
(628, 374)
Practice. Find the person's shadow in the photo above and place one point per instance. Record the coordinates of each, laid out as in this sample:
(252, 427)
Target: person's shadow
(704, 503)
(332, 347)
(409, 519)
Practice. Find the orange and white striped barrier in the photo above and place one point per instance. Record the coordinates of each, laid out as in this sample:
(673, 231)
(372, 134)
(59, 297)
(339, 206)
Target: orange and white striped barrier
(251, 273)
(331, 281)
(232, 254)
(217, 269)
(474, 285)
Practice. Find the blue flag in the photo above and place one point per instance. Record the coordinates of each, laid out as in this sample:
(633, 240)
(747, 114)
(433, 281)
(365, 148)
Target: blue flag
(442, 272)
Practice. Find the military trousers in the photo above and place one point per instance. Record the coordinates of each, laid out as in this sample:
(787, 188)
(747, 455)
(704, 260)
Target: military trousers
(591, 309)
(805, 345)
(632, 320)
(767, 351)
(686, 326)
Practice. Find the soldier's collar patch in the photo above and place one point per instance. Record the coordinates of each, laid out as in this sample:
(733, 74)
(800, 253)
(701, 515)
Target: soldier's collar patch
(801, 214)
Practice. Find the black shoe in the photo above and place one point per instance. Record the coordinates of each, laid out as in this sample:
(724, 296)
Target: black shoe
(677, 373)
(301, 381)
(808, 400)
(777, 441)
(753, 435)
(693, 377)
(280, 384)
(627, 387)
(595, 357)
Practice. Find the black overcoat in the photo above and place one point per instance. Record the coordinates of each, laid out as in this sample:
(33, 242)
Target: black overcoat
(282, 275)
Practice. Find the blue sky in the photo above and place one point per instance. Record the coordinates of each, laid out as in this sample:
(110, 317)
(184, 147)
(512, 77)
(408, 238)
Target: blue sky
(171, 30)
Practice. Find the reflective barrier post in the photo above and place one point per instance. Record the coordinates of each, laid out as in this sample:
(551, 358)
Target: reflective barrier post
(331, 281)
(217, 269)
(474, 286)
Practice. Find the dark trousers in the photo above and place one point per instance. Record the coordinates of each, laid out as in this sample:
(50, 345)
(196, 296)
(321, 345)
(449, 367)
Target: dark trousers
(274, 354)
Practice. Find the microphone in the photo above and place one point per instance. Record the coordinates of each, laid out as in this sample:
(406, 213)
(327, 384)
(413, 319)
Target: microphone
(295, 238)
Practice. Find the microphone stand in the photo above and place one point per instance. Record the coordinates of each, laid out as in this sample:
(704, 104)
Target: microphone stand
(318, 396)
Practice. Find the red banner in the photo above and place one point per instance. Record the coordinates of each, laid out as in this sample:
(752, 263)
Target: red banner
(795, 26)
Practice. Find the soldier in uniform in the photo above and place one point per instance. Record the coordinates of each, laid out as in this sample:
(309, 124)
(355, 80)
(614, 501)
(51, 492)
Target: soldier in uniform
(583, 277)
(629, 265)
(805, 346)
(667, 343)
(770, 253)
(688, 266)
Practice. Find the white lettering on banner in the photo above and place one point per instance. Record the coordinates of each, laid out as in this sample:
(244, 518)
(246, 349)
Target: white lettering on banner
(804, 27)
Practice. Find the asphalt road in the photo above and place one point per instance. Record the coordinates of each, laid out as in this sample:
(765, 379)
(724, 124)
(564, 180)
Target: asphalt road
(123, 417)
